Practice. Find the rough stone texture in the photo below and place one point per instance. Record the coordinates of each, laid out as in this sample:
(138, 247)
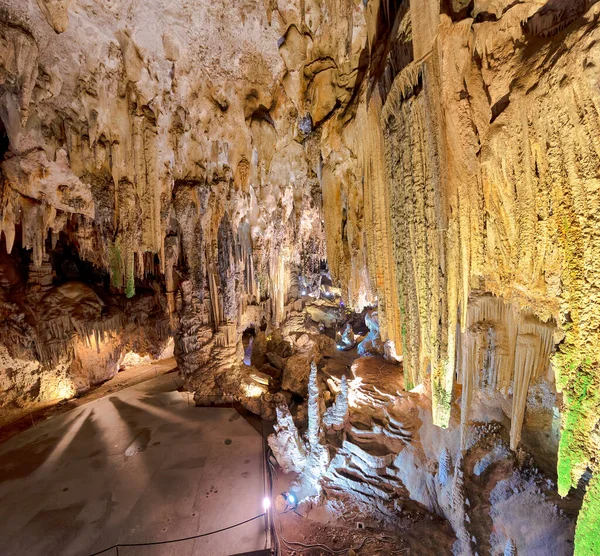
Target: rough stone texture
(442, 156)
(286, 444)
(162, 146)
(474, 147)
(336, 416)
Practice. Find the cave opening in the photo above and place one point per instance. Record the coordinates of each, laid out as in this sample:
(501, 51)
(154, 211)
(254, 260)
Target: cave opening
(247, 342)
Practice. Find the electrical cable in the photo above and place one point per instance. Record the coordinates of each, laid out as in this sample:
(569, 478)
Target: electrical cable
(293, 545)
(117, 545)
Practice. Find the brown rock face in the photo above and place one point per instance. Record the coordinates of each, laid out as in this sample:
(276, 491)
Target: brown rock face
(154, 152)
(183, 169)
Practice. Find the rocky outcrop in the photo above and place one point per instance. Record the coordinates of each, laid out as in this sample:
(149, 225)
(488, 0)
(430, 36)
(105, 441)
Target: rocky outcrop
(336, 416)
(474, 134)
(307, 457)
(159, 170)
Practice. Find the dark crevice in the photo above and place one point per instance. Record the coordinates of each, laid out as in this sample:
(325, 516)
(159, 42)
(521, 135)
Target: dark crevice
(262, 114)
(4, 142)
(500, 106)
(457, 9)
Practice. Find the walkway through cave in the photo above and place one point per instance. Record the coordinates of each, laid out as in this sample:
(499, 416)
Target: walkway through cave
(136, 466)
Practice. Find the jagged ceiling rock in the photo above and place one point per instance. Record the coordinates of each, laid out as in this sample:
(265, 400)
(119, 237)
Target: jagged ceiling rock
(33, 175)
(56, 13)
(19, 54)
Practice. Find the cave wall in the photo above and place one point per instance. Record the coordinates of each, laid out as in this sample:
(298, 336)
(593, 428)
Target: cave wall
(159, 141)
(481, 219)
(442, 155)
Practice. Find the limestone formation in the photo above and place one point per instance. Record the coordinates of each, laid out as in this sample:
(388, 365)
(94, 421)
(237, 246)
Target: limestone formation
(308, 458)
(509, 549)
(286, 444)
(444, 467)
(372, 342)
(199, 172)
(336, 416)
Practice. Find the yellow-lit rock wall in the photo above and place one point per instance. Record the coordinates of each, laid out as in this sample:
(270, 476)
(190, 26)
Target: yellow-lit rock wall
(490, 187)
(442, 155)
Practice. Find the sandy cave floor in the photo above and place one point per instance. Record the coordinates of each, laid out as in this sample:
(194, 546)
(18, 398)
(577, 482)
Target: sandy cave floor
(17, 420)
(138, 465)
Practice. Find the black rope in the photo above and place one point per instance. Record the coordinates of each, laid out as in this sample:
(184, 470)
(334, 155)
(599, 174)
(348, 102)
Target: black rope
(178, 540)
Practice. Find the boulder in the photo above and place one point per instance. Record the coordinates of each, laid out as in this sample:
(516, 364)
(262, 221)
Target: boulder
(276, 360)
(271, 371)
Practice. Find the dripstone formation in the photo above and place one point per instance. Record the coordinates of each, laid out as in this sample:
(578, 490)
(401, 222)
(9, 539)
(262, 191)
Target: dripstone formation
(244, 182)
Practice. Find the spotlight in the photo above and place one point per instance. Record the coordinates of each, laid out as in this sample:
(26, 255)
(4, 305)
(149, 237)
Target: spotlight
(290, 498)
(303, 292)
(266, 503)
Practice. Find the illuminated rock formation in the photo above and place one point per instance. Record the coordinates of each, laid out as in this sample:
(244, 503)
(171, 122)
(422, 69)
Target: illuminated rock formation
(336, 416)
(485, 195)
(194, 170)
(309, 457)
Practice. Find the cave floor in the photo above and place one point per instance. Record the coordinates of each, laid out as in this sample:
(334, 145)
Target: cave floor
(16, 420)
(139, 465)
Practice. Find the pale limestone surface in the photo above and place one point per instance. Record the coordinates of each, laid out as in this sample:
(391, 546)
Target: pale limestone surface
(442, 156)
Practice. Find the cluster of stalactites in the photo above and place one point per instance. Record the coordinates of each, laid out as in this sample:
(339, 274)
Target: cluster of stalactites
(57, 336)
(501, 348)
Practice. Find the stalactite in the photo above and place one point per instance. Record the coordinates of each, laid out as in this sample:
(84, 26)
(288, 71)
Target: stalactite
(130, 275)
(280, 283)
(502, 346)
(227, 335)
(215, 300)
(116, 264)
(414, 181)
(227, 269)
(587, 541)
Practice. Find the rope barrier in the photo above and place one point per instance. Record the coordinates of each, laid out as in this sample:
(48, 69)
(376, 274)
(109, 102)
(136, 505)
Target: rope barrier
(117, 545)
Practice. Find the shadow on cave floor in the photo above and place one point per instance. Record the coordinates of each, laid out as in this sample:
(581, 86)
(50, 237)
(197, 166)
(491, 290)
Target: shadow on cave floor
(139, 465)
(22, 420)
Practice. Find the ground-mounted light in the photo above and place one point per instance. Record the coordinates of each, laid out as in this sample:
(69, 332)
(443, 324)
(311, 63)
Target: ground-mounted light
(290, 498)
(253, 390)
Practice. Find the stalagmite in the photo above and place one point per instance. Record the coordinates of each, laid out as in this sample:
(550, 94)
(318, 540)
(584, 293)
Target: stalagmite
(286, 444)
(314, 413)
(336, 416)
